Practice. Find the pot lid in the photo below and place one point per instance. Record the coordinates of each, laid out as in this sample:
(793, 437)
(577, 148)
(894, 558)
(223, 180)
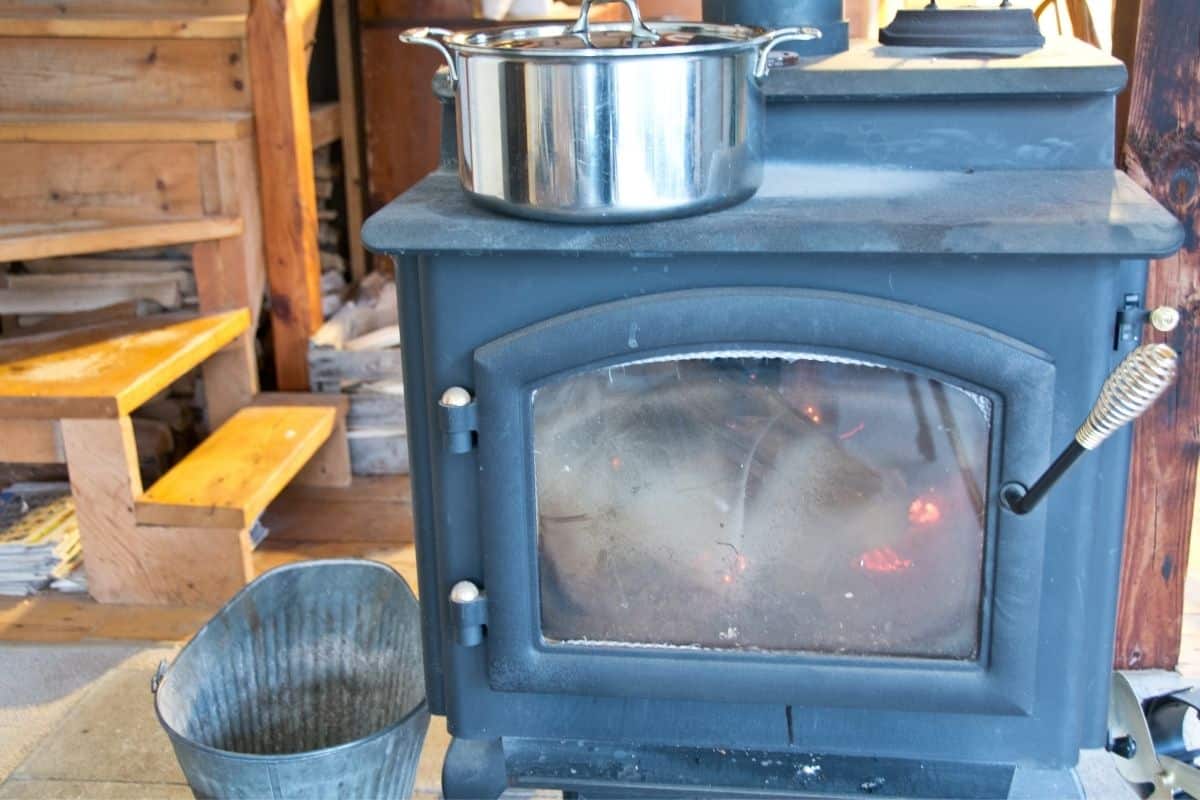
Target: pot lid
(608, 38)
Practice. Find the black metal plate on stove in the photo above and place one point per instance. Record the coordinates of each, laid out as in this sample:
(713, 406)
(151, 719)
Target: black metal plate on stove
(963, 28)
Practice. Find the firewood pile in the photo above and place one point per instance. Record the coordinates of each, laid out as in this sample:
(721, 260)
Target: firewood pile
(357, 352)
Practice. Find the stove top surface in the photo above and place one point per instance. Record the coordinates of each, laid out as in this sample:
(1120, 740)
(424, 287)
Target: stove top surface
(1064, 66)
(824, 209)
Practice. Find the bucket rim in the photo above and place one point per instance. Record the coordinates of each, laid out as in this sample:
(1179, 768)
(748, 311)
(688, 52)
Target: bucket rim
(407, 717)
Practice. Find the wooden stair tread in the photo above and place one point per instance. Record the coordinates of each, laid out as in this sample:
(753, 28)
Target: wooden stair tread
(20, 241)
(105, 372)
(229, 479)
(146, 126)
(53, 22)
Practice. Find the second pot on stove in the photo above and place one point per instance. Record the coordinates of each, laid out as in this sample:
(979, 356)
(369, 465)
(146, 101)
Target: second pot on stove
(609, 122)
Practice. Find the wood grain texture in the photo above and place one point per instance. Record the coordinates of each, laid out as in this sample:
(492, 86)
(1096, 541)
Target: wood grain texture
(325, 121)
(230, 379)
(147, 126)
(111, 375)
(124, 311)
(70, 7)
(289, 202)
(133, 182)
(134, 75)
(102, 463)
(150, 24)
(240, 276)
(1162, 153)
(396, 86)
(187, 566)
(329, 466)
(229, 479)
(372, 508)
(31, 240)
(31, 441)
(345, 33)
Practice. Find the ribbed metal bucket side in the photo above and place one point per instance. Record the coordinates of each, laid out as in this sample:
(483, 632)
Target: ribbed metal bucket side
(308, 683)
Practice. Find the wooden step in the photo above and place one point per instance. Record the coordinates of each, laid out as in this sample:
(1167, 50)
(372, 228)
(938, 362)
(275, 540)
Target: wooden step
(107, 371)
(29, 240)
(145, 126)
(230, 478)
(147, 24)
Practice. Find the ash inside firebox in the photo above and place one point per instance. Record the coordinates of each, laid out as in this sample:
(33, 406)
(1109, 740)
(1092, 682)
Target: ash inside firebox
(762, 501)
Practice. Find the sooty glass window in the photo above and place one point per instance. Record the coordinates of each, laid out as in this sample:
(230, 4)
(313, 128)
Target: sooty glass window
(762, 501)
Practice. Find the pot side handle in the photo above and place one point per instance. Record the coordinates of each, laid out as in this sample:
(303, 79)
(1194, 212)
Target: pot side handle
(778, 37)
(432, 37)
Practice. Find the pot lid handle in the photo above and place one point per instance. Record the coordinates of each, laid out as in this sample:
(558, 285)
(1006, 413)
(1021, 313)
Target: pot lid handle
(637, 28)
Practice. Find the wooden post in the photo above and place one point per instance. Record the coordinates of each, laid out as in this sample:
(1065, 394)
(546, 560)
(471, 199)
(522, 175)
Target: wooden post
(102, 463)
(275, 31)
(1162, 153)
(348, 105)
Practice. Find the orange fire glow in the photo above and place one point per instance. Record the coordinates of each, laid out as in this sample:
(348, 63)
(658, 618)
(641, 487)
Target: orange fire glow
(924, 511)
(883, 559)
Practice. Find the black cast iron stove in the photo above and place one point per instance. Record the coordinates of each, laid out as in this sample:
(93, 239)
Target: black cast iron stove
(713, 505)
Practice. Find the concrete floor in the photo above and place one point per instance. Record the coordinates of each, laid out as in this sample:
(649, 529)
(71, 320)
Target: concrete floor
(77, 721)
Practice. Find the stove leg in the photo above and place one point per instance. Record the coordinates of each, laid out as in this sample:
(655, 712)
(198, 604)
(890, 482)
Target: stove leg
(474, 770)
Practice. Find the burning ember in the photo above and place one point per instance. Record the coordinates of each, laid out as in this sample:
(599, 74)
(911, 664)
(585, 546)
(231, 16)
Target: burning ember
(924, 511)
(883, 559)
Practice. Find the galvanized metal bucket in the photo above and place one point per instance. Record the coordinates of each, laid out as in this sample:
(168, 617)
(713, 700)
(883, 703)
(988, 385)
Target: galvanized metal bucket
(306, 684)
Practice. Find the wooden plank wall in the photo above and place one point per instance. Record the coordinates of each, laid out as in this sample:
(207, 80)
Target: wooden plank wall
(1162, 152)
(95, 74)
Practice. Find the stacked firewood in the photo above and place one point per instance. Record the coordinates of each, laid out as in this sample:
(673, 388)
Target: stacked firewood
(330, 230)
(59, 293)
(357, 352)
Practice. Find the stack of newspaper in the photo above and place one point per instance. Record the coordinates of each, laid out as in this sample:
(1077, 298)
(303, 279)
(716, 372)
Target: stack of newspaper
(39, 539)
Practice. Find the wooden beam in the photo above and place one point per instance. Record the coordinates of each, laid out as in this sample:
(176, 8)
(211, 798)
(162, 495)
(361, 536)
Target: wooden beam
(351, 136)
(1162, 153)
(22, 241)
(152, 25)
(325, 120)
(102, 462)
(277, 68)
(146, 126)
(1124, 46)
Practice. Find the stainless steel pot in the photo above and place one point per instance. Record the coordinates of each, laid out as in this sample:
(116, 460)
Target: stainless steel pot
(609, 122)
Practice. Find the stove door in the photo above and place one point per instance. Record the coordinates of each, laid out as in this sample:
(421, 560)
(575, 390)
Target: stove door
(723, 483)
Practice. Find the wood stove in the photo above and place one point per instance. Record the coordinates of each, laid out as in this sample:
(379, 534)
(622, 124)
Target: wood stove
(713, 505)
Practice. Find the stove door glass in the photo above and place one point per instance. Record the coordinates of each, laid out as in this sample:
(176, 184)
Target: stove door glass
(762, 501)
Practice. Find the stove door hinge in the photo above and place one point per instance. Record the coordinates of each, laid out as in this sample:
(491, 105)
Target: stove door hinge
(468, 613)
(1130, 318)
(459, 419)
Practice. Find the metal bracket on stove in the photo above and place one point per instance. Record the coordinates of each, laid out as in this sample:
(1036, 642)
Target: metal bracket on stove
(1130, 317)
(468, 613)
(459, 419)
